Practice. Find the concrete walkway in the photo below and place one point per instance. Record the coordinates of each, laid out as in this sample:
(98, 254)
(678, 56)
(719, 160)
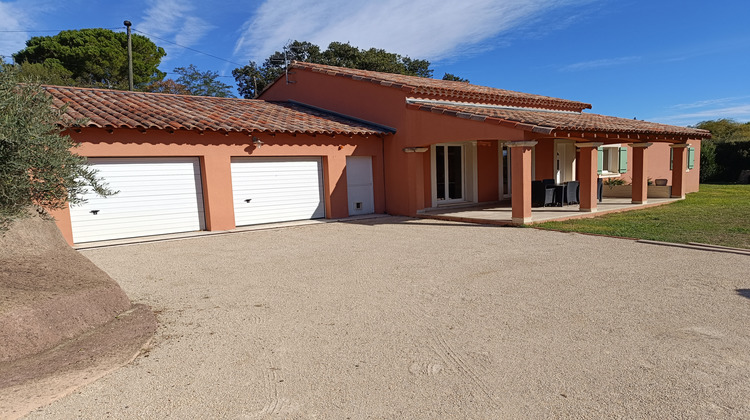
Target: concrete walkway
(425, 319)
(500, 214)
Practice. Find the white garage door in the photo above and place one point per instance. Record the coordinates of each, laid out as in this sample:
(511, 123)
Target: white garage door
(268, 190)
(156, 196)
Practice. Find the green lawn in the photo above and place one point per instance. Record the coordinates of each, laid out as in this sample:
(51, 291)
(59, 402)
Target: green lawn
(717, 214)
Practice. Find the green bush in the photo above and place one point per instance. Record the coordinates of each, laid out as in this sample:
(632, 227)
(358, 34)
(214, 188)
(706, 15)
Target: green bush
(734, 157)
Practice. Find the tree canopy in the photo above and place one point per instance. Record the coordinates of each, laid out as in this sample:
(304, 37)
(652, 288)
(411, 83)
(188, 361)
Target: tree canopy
(192, 81)
(453, 77)
(92, 57)
(37, 164)
(253, 78)
(202, 83)
(727, 152)
(726, 130)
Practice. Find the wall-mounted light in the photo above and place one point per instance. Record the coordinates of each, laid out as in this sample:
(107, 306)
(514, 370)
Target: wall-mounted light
(257, 142)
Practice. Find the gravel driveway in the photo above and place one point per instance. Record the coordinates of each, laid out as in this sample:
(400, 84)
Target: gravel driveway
(403, 318)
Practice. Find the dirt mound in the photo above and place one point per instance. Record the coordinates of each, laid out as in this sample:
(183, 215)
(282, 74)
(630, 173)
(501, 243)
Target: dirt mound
(49, 291)
(52, 297)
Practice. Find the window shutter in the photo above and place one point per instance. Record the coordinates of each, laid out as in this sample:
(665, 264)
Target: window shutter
(623, 160)
(599, 160)
(671, 158)
(691, 157)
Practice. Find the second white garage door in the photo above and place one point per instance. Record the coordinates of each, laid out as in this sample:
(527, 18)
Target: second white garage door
(268, 190)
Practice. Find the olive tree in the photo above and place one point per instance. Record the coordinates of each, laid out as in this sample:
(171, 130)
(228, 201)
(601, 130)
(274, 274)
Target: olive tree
(38, 166)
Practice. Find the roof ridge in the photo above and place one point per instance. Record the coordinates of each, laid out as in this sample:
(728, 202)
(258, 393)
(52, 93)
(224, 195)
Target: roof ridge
(446, 88)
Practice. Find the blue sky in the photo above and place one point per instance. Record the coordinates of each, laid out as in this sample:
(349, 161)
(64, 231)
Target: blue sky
(676, 62)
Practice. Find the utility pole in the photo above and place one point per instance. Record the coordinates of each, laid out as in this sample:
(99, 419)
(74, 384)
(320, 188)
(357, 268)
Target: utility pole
(130, 57)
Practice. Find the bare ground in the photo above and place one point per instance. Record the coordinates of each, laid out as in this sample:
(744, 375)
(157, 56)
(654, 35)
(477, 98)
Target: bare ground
(63, 321)
(397, 318)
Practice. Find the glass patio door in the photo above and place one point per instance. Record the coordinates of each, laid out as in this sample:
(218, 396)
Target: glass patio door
(505, 190)
(449, 169)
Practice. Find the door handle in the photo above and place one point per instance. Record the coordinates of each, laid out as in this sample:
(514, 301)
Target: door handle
(248, 200)
(94, 212)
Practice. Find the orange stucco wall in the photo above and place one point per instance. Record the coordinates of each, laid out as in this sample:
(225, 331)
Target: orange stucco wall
(658, 165)
(407, 175)
(488, 171)
(215, 151)
(544, 157)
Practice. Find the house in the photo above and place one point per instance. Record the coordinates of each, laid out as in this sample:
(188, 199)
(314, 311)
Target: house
(186, 163)
(333, 142)
(454, 142)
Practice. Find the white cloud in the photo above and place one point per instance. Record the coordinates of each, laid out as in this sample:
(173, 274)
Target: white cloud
(596, 64)
(739, 112)
(13, 17)
(428, 29)
(174, 20)
(709, 102)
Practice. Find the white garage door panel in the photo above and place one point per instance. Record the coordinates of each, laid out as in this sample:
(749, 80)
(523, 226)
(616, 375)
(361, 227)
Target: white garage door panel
(279, 189)
(156, 196)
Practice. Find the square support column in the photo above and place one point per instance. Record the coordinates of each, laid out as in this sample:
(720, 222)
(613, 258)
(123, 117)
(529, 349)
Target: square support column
(587, 172)
(520, 158)
(217, 191)
(640, 177)
(678, 169)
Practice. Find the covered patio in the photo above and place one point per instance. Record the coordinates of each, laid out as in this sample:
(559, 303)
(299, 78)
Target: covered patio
(562, 146)
(501, 213)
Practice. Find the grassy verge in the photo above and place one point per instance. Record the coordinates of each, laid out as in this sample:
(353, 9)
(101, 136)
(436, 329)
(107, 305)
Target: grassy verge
(717, 214)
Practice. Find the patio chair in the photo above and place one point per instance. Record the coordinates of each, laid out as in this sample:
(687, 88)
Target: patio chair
(542, 195)
(571, 192)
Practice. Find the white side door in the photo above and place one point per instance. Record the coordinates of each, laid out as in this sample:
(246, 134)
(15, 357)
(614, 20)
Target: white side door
(359, 185)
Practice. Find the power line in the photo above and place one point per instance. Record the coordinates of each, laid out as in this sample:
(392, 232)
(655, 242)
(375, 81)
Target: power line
(187, 48)
(57, 30)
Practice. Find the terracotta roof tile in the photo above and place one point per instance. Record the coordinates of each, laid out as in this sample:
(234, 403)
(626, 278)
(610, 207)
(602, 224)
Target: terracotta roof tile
(447, 89)
(545, 121)
(123, 109)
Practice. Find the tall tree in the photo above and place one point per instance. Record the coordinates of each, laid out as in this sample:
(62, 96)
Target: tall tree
(37, 164)
(96, 57)
(453, 77)
(50, 72)
(725, 129)
(202, 83)
(727, 152)
(167, 86)
(253, 78)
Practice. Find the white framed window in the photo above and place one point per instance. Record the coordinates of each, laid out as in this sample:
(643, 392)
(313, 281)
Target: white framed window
(613, 160)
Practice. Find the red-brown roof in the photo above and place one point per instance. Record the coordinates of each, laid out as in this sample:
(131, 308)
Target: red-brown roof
(447, 89)
(141, 110)
(555, 122)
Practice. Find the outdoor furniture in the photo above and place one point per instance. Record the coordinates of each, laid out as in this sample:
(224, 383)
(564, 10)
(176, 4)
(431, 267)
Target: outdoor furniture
(571, 192)
(661, 182)
(541, 194)
(559, 194)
